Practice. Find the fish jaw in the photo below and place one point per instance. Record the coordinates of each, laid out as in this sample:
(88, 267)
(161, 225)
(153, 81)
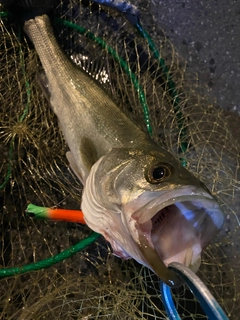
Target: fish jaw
(153, 224)
(175, 226)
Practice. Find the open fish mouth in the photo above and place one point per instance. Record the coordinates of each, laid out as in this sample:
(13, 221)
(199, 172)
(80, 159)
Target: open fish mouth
(175, 227)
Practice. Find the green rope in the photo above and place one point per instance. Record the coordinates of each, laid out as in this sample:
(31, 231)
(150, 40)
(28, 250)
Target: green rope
(4, 14)
(52, 260)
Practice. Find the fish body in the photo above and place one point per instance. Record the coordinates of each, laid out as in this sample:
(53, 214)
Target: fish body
(136, 194)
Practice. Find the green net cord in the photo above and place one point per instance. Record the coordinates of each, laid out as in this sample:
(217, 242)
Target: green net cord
(8, 272)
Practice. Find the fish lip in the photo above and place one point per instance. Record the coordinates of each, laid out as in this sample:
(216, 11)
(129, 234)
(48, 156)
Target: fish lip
(156, 263)
(196, 205)
(174, 196)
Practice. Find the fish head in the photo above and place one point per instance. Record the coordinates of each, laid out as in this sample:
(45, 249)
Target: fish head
(164, 211)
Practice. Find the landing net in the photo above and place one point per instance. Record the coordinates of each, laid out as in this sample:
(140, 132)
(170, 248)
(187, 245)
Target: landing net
(94, 284)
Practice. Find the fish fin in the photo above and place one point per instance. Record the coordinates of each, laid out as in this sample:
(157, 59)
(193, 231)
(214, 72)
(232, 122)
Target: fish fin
(73, 166)
(88, 158)
(88, 152)
(121, 254)
(118, 251)
(42, 81)
(94, 66)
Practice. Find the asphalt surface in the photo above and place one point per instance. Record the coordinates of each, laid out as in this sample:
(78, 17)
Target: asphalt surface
(207, 34)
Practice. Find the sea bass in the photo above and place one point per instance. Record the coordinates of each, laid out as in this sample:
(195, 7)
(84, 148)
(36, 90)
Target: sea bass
(136, 194)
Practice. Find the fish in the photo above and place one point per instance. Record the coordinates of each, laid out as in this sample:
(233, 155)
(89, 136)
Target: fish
(135, 193)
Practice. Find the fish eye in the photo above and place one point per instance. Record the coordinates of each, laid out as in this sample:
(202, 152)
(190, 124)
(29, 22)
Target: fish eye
(158, 173)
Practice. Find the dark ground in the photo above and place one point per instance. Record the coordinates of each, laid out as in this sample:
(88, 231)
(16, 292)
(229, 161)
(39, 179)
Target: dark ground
(207, 34)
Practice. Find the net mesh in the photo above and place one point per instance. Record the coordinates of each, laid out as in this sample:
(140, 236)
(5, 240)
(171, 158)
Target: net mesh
(94, 284)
